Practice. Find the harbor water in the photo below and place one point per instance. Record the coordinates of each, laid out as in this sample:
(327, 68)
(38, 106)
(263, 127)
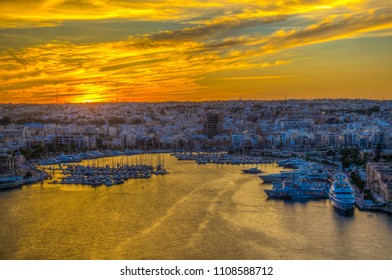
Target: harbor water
(196, 212)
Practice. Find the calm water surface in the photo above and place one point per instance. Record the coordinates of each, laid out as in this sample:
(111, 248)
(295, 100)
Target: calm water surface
(196, 212)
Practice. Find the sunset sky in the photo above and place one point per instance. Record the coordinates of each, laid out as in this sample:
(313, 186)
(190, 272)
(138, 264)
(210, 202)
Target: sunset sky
(194, 50)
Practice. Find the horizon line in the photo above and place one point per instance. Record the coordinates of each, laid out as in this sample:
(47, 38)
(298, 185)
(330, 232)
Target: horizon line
(194, 101)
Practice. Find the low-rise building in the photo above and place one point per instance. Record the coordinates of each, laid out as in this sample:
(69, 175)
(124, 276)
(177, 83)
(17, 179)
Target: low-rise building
(7, 164)
(379, 179)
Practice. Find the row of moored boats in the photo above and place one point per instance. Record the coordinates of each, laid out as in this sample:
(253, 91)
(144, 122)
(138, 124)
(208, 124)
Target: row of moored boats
(109, 176)
(86, 155)
(221, 158)
(310, 181)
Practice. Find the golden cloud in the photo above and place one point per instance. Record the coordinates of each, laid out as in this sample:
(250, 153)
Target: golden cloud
(26, 13)
(171, 64)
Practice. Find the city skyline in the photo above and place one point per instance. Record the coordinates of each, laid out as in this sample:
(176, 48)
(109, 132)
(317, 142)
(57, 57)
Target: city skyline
(157, 51)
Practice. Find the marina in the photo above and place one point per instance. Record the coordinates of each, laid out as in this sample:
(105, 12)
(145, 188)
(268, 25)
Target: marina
(109, 176)
(182, 216)
(306, 181)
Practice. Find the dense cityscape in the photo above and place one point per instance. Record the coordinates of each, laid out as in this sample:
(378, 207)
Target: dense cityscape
(350, 135)
(296, 125)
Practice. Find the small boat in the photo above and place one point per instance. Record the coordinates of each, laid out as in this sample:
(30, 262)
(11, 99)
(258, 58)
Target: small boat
(96, 183)
(118, 181)
(108, 182)
(253, 170)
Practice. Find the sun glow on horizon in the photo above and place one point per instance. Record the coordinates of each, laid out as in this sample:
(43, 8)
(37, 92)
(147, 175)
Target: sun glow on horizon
(88, 98)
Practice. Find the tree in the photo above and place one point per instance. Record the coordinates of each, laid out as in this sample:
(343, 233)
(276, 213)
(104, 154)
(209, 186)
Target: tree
(5, 120)
(378, 152)
(356, 179)
(350, 156)
(136, 121)
(116, 120)
(28, 174)
(345, 163)
(26, 153)
(331, 153)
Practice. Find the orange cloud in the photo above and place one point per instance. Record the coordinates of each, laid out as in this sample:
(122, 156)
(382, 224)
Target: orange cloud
(225, 36)
(255, 77)
(26, 13)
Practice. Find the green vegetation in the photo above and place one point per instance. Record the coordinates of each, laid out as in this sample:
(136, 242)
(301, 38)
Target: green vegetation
(5, 120)
(356, 179)
(32, 153)
(116, 120)
(368, 194)
(136, 121)
(350, 156)
(368, 111)
(330, 153)
(378, 152)
(28, 175)
(33, 119)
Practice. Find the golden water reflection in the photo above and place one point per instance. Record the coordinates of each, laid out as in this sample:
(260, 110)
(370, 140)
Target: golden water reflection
(195, 212)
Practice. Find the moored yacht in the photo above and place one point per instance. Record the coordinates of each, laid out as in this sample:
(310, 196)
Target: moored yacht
(298, 189)
(11, 182)
(341, 195)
